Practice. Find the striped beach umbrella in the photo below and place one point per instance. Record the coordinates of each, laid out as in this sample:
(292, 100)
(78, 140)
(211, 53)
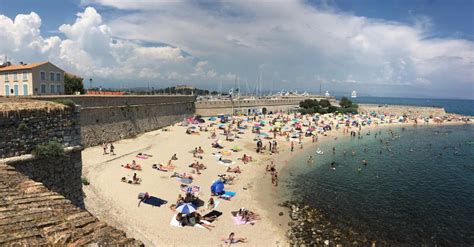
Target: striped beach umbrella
(186, 208)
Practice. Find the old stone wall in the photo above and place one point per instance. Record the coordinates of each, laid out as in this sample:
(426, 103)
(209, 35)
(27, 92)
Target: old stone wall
(112, 123)
(58, 174)
(250, 106)
(21, 131)
(111, 118)
(24, 129)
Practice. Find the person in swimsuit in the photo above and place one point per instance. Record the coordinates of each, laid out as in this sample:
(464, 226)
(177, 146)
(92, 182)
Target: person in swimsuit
(233, 240)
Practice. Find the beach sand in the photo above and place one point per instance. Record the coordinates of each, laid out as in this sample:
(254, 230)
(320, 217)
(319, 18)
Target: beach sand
(116, 202)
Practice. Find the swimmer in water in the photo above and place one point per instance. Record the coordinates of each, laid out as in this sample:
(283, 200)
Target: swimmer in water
(353, 153)
(364, 162)
(310, 160)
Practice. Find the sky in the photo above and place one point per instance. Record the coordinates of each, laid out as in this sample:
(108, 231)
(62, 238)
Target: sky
(394, 48)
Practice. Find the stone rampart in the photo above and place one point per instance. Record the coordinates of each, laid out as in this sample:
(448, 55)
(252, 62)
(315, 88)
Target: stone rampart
(111, 118)
(250, 106)
(23, 130)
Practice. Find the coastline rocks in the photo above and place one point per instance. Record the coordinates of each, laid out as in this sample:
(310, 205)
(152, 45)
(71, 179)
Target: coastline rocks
(311, 227)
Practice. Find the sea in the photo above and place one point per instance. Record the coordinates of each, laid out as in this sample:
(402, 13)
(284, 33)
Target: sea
(459, 106)
(416, 188)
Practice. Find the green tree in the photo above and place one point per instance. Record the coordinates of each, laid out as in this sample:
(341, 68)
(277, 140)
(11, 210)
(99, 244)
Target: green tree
(345, 102)
(73, 84)
(324, 103)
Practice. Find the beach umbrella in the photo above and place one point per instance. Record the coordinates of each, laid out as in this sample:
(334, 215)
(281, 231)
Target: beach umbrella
(186, 208)
(217, 188)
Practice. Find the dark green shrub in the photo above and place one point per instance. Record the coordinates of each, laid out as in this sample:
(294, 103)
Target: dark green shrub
(51, 150)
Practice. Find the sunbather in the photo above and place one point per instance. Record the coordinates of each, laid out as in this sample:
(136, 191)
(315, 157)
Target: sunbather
(184, 175)
(233, 240)
(227, 179)
(234, 170)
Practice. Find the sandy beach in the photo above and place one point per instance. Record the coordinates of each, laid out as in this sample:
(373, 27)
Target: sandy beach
(116, 202)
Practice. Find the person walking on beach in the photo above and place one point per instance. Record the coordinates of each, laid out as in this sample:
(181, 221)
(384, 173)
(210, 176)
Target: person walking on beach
(292, 146)
(104, 146)
(112, 149)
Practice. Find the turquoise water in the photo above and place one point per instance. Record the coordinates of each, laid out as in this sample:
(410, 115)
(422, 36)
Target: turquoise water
(459, 106)
(416, 188)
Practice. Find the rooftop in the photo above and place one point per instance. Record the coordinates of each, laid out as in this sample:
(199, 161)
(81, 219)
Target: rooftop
(13, 67)
(31, 215)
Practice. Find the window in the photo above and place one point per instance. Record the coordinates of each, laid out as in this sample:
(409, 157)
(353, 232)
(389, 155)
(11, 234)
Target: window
(15, 76)
(51, 76)
(58, 76)
(5, 77)
(52, 88)
(43, 75)
(25, 76)
(58, 89)
(43, 88)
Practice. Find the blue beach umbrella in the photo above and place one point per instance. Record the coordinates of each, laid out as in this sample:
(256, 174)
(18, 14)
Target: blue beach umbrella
(217, 188)
(186, 208)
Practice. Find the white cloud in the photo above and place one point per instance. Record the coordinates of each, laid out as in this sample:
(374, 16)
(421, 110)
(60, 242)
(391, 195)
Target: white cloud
(229, 39)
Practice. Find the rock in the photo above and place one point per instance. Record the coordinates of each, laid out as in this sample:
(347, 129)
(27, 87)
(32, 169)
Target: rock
(281, 214)
(326, 242)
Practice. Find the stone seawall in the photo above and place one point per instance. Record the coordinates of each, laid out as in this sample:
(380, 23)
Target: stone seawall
(250, 106)
(58, 174)
(419, 111)
(111, 118)
(24, 129)
(21, 131)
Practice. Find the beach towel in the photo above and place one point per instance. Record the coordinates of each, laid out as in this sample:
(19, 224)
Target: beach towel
(185, 180)
(191, 189)
(227, 195)
(226, 162)
(230, 193)
(175, 223)
(239, 221)
(143, 157)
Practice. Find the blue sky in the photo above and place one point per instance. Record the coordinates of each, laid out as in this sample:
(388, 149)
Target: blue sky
(413, 48)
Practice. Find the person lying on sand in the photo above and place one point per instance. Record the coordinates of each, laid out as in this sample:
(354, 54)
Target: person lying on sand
(232, 239)
(227, 179)
(234, 170)
(246, 158)
(197, 165)
(184, 175)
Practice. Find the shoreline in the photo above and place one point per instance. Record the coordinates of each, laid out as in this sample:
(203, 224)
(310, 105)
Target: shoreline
(115, 202)
(321, 215)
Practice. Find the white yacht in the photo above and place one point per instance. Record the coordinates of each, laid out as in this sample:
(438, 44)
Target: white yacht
(354, 94)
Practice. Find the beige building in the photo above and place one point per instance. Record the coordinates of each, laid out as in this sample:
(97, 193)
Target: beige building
(42, 78)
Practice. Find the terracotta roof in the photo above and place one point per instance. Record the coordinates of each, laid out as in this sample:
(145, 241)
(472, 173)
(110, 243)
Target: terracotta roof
(22, 66)
(32, 215)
